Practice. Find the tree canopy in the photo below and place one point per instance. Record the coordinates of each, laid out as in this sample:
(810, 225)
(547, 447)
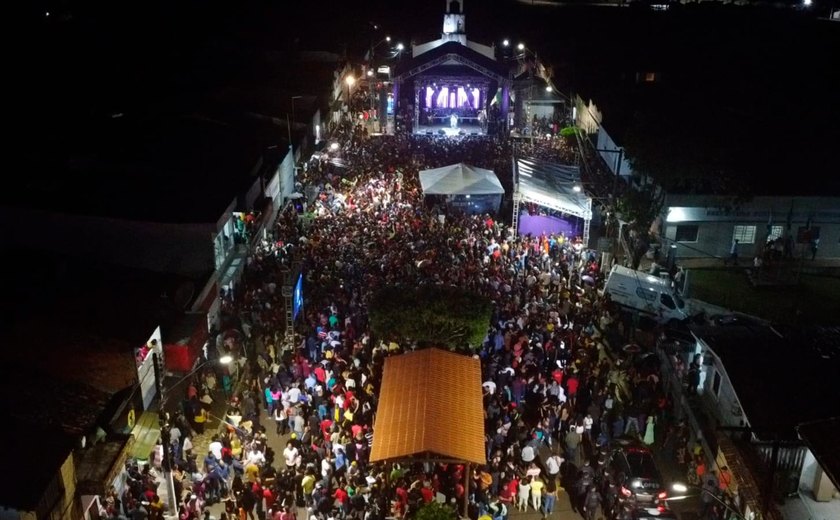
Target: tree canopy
(431, 314)
(435, 511)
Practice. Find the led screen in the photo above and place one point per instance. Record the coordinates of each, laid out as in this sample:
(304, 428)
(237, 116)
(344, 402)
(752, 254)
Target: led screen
(297, 298)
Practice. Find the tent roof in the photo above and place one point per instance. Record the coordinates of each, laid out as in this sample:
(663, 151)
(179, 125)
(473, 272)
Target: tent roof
(552, 185)
(430, 403)
(460, 179)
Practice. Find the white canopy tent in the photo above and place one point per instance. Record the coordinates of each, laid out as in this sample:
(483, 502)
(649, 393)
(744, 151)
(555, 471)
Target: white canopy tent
(460, 179)
(464, 188)
(554, 186)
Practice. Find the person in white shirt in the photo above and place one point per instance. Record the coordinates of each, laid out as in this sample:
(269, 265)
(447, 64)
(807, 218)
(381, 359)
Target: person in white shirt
(587, 426)
(291, 455)
(553, 465)
(293, 394)
(256, 456)
(490, 386)
(216, 448)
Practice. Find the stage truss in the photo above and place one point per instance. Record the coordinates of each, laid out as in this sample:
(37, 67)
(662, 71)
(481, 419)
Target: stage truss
(561, 197)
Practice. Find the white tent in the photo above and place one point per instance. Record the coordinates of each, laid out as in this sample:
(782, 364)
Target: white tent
(554, 186)
(460, 179)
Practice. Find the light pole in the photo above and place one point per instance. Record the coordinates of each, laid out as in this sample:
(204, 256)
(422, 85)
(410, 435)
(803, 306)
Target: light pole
(350, 80)
(684, 488)
(165, 428)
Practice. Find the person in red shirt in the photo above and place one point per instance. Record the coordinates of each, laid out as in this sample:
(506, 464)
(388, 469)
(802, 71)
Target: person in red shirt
(402, 500)
(558, 375)
(572, 386)
(342, 498)
(505, 495)
(428, 494)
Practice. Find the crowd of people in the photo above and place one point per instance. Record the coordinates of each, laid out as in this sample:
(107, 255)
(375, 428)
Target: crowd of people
(554, 394)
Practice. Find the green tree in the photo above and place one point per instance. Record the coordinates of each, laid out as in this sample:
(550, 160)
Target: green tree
(435, 511)
(431, 315)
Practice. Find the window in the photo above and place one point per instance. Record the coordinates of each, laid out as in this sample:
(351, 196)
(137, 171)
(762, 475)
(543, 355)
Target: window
(667, 301)
(645, 294)
(775, 232)
(744, 234)
(716, 383)
(687, 233)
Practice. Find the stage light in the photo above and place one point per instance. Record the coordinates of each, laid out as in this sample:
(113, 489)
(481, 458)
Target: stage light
(400, 46)
(807, 3)
(521, 46)
(548, 88)
(350, 80)
(387, 38)
(370, 72)
(576, 189)
(334, 146)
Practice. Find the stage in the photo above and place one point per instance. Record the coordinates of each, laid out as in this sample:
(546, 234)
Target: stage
(448, 131)
(536, 225)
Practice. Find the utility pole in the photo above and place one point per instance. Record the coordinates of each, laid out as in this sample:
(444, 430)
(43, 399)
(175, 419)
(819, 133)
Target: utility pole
(172, 500)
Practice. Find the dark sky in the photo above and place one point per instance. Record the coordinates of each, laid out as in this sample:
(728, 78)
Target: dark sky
(764, 68)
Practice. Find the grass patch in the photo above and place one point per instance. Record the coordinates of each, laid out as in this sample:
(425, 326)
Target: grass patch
(816, 300)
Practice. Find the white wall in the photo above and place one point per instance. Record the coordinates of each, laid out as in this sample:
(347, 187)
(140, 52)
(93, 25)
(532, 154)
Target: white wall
(716, 225)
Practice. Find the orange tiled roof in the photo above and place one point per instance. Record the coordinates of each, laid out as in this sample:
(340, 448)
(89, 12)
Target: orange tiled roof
(430, 402)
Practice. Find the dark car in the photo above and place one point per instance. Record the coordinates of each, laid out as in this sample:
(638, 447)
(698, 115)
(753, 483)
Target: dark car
(636, 474)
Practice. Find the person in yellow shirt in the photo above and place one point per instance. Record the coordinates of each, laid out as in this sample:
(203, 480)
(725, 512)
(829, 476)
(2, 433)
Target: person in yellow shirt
(252, 472)
(308, 485)
(201, 420)
(537, 486)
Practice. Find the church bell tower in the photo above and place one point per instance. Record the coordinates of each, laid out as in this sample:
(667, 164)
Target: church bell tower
(454, 23)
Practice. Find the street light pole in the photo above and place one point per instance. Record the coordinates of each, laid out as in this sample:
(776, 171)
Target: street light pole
(166, 463)
(350, 80)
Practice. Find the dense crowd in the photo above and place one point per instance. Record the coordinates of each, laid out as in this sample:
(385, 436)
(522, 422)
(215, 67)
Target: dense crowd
(553, 395)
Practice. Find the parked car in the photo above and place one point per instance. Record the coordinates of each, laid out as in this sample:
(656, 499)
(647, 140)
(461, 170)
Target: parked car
(638, 478)
(645, 294)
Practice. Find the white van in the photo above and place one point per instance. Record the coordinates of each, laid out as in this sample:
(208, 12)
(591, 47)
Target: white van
(645, 293)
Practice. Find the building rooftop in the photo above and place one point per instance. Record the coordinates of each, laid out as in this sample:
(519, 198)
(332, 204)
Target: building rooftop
(99, 463)
(32, 398)
(82, 320)
(406, 65)
(36, 453)
(416, 399)
(798, 372)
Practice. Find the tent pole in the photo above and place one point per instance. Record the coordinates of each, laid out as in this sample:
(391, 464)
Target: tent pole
(466, 507)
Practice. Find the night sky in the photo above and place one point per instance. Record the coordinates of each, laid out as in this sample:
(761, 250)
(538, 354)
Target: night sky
(765, 73)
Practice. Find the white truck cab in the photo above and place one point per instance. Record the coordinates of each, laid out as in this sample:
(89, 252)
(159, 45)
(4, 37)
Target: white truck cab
(645, 293)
